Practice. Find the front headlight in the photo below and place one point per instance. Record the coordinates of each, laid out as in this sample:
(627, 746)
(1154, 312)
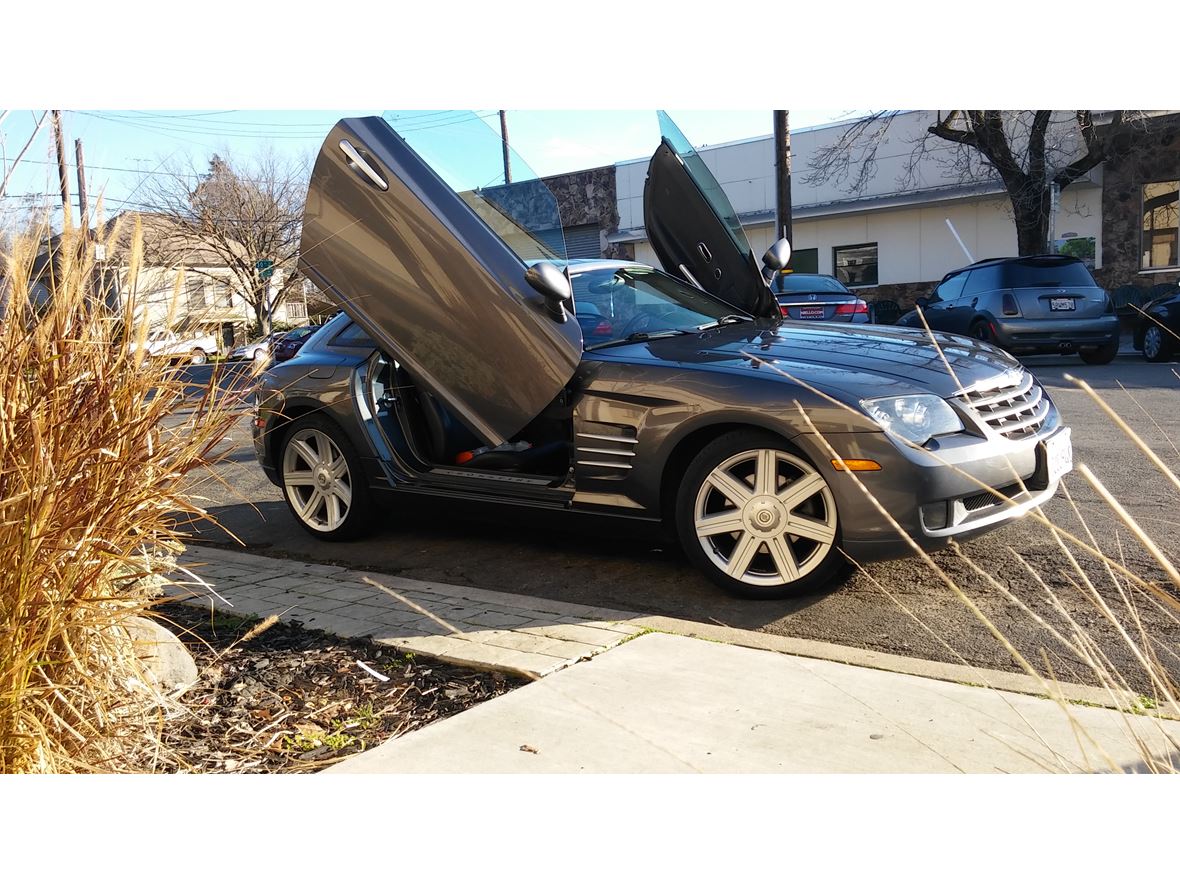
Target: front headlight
(916, 418)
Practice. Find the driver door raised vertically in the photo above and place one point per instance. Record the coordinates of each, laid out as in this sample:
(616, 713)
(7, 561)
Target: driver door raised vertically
(432, 283)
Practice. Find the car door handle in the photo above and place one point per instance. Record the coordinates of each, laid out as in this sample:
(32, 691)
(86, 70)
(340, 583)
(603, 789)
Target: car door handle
(361, 165)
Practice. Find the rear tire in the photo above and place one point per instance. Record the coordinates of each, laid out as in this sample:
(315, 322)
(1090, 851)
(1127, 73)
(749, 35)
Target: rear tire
(323, 481)
(1100, 356)
(198, 357)
(981, 331)
(756, 481)
(1157, 344)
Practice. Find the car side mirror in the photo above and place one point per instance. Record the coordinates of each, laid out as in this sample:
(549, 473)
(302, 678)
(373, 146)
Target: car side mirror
(777, 257)
(548, 279)
(922, 302)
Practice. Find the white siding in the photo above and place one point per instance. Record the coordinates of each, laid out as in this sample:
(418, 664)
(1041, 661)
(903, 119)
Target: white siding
(914, 243)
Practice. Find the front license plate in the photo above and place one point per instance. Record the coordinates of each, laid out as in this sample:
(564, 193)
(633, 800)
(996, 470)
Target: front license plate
(811, 313)
(1059, 454)
(1061, 304)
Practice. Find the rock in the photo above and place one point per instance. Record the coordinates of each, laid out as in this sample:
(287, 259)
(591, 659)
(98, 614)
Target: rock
(165, 659)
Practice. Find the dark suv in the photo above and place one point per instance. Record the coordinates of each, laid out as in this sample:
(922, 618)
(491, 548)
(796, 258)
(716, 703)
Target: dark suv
(1037, 304)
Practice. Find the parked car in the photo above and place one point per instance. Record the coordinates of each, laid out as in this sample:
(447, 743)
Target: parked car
(818, 296)
(1157, 335)
(460, 370)
(259, 349)
(195, 349)
(287, 346)
(1036, 304)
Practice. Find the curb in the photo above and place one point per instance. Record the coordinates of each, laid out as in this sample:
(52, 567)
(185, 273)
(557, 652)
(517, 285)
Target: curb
(468, 653)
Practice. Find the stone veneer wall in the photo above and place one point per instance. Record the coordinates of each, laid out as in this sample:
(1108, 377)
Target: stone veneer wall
(589, 197)
(1155, 158)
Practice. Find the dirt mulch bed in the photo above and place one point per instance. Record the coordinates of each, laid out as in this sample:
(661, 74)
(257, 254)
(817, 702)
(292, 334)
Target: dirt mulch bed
(286, 699)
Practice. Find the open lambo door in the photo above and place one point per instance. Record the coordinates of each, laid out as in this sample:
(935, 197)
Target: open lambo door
(694, 229)
(437, 264)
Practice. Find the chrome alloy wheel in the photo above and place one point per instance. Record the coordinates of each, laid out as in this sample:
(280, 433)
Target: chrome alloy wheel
(765, 517)
(317, 479)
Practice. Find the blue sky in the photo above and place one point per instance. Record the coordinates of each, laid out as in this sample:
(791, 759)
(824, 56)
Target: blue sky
(123, 146)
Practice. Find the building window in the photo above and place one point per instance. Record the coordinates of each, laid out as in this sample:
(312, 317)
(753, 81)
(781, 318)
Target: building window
(856, 265)
(1160, 225)
(804, 261)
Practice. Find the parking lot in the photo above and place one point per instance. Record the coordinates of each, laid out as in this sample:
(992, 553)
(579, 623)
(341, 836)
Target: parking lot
(901, 607)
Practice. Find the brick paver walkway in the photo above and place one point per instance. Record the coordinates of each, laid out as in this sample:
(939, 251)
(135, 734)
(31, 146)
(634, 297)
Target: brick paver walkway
(478, 628)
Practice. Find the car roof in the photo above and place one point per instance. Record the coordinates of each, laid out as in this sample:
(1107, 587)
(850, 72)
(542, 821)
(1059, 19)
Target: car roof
(1038, 259)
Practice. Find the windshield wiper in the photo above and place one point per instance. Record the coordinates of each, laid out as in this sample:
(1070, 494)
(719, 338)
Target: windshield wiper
(725, 321)
(639, 336)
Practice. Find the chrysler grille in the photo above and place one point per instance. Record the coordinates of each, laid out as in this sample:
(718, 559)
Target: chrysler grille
(1014, 410)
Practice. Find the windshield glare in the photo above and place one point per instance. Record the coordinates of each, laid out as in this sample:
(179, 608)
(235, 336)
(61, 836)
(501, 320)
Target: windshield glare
(612, 303)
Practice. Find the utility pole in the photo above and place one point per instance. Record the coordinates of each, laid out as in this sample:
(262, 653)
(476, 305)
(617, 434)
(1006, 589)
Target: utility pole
(782, 173)
(62, 174)
(83, 208)
(504, 137)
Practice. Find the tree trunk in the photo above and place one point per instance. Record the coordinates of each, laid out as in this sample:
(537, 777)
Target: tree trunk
(1031, 214)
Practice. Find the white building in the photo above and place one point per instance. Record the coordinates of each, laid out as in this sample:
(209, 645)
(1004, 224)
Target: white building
(894, 232)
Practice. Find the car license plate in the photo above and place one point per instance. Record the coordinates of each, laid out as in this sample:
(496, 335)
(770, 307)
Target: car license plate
(1059, 454)
(811, 313)
(1061, 304)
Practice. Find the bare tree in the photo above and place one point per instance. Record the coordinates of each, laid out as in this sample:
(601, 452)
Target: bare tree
(1029, 152)
(244, 215)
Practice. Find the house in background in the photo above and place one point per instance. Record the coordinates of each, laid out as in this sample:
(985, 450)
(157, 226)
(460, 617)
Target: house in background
(188, 289)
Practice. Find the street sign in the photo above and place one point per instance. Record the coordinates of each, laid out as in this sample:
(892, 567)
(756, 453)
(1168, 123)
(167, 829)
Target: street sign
(266, 268)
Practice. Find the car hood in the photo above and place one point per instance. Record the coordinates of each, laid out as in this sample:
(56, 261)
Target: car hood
(859, 362)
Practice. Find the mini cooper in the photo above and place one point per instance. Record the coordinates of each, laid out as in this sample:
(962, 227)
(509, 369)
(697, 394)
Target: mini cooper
(472, 361)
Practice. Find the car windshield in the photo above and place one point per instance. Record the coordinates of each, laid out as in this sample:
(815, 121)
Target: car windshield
(792, 282)
(613, 303)
(471, 157)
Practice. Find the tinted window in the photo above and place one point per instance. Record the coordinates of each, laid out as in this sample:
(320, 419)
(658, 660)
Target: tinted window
(983, 279)
(1047, 272)
(801, 282)
(952, 288)
(353, 336)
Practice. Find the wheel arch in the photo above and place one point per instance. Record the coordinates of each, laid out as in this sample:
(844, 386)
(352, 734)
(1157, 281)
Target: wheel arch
(292, 412)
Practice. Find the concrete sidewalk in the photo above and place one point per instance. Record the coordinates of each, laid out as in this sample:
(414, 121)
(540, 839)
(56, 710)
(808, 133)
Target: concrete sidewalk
(744, 702)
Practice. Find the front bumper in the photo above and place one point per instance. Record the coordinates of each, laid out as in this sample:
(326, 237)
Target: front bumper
(1064, 335)
(940, 496)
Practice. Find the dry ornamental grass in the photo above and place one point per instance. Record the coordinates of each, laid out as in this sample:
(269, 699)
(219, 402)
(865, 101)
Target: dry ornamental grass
(94, 444)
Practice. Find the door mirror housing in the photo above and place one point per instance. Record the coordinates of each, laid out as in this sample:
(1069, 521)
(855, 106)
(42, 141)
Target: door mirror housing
(777, 256)
(548, 279)
(922, 302)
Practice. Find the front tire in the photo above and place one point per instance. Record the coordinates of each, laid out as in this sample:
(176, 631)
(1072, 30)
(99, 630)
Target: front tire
(323, 482)
(1100, 356)
(758, 519)
(1157, 346)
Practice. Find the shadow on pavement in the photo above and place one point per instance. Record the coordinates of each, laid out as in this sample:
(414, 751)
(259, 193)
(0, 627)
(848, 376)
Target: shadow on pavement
(569, 557)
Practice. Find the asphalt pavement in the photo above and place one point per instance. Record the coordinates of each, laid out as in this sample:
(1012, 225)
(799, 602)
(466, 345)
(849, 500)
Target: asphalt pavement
(900, 607)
